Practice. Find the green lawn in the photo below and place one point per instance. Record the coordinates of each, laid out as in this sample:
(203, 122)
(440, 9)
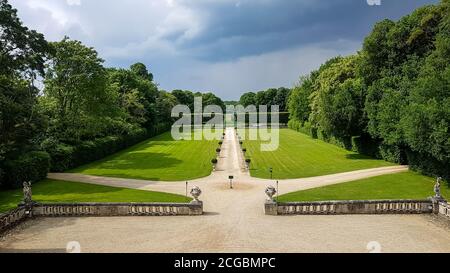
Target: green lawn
(407, 185)
(52, 191)
(300, 156)
(159, 158)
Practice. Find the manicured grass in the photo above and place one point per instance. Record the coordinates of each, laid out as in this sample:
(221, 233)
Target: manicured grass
(52, 191)
(159, 159)
(407, 185)
(300, 156)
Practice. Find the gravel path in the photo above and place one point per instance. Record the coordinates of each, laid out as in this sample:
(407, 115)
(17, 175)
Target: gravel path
(234, 221)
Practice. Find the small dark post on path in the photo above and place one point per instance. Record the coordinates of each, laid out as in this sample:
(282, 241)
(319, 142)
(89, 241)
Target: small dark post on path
(187, 183)
(271, 172)
(231, 181)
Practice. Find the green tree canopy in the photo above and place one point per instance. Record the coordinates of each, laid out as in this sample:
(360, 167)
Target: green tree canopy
(77, 93)
(141, 70)
(248, 99)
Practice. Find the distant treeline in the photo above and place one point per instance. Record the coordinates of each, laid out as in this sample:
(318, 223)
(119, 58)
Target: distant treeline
(272, 96)
(391, 99)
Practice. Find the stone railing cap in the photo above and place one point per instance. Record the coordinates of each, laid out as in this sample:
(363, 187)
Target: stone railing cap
(351, 202)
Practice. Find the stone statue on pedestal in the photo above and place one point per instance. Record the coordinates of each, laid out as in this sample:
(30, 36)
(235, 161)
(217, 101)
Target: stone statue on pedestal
(27, 193)
(437, 198)
(437, 189)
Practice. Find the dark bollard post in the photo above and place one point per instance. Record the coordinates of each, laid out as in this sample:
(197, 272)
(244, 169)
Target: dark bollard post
(231, 181)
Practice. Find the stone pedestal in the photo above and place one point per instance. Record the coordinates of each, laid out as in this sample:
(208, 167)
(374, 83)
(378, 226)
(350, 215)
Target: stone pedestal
(271, 208)
(436, 201)
(196, 208)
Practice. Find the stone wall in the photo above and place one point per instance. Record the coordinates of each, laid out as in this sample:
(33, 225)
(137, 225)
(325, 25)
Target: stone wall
(350, 207)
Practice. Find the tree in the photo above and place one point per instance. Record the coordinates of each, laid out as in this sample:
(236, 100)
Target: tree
(184, 98)
(164, 105)
(22, 50)
(22, 58)
(281, 98)
(211, 99)
(141, 70)
(20, 121)
(339, 99)
(299, 104)
(248, 99)
(137, 96)
(77, 83)
(426, 119)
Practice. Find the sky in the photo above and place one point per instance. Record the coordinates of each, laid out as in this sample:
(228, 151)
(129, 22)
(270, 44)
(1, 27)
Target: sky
(223, 46)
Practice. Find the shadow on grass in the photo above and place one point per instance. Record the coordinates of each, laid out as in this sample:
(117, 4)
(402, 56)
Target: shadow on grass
(359, 157)
(133, 160)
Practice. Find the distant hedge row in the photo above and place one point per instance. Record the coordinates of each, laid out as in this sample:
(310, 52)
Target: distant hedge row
(367, 146)
(32, 166)
(65, 157)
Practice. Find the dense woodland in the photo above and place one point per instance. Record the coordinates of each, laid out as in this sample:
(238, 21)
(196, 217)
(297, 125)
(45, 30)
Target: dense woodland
(60, 107)
(391, 99)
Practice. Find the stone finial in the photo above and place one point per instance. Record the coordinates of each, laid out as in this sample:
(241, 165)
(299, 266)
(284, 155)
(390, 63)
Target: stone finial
(196, 192)
(27, 193)
(270, 192)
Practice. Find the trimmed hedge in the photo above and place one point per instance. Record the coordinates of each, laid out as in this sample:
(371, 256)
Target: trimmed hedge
(360, 144)
(65, 157)
(393, 153)
(422, 163)
(309, 130)
(283, 117)
(366, 145)
(428, 165)
(32, 166)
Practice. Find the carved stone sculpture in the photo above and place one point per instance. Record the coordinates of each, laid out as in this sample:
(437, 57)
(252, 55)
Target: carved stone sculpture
(196, 192)
(437, 189)
(27, 193)
(270, 192)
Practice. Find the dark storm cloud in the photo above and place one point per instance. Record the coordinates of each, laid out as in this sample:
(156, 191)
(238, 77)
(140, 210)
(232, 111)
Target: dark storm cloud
(257, 27)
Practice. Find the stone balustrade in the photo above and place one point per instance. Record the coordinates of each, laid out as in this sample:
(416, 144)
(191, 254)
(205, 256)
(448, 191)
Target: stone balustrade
(444, 209)
(117, 209)
(350, 207)
(13, 217)
(29, 208)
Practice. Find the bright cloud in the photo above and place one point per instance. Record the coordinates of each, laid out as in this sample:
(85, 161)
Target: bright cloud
(73, 2)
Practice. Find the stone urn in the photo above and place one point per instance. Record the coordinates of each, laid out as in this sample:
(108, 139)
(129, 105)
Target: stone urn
(196, 192)
(214, 162)
(270, 192)
(247, 163)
